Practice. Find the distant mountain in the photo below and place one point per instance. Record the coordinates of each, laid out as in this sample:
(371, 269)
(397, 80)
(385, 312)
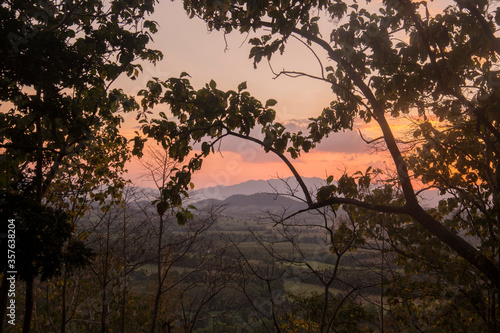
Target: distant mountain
(246, 190)
(254, 205)
(261, 204)
(284, 186)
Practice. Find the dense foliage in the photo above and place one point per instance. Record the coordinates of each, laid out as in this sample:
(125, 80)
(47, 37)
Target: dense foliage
(60, 141)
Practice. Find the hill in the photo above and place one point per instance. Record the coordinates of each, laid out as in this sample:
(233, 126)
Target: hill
(429, 198)
(283, 186)
(254, 205)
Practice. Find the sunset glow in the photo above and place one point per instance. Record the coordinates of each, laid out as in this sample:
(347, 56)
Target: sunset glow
(187, 46)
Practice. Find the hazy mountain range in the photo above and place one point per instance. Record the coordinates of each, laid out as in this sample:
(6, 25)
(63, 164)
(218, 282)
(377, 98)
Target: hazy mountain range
(282, 186)
(254, 205)
(259, 197)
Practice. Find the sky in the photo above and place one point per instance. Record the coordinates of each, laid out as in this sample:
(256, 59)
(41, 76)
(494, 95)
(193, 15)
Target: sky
(188, 47)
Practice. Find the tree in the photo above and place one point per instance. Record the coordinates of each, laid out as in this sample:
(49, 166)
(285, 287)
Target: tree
(181, 294)
(44, 244)
(384, 61)
(426, 285)
(159, 168)
(60, 119)
(307, 311)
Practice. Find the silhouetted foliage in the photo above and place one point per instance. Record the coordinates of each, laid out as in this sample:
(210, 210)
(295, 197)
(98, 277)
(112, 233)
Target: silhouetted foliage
(43, 239)
(60, 139)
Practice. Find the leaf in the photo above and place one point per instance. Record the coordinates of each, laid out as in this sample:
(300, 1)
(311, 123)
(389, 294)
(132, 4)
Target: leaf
(293, 152)
(306, 146)
(213, 85)
(181, 218)
(325, 192)
(205, 148)
(242, 86)
(271, 102)
(162, 207)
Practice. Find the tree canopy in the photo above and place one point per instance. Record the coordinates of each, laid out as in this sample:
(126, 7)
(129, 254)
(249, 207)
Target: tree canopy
(60, 141)
(59, 60)
(382, 61)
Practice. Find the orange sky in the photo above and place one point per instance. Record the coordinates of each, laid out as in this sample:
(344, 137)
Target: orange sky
(187, 46)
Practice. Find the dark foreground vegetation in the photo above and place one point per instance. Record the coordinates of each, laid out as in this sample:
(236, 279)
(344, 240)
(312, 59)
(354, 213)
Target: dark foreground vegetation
(87, 253)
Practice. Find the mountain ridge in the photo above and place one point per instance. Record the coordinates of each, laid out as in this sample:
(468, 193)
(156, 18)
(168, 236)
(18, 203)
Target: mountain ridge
(283, 186)
(276, 186)
(254, 205)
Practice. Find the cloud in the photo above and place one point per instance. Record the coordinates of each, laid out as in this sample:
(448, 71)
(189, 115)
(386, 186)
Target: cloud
(348, 142)
(345, 142)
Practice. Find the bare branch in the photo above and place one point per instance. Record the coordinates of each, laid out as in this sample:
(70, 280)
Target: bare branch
(370, 141)
(283, 158)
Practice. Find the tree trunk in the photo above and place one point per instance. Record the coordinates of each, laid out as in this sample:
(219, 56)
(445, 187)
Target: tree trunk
(3, 299)
(104, 314)
(464, 249)
(124, 292)
(104, 296)
(159, 276)
(28, 305)
(63, 302)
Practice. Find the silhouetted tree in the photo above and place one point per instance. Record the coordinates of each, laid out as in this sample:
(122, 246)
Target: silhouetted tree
(60, 118)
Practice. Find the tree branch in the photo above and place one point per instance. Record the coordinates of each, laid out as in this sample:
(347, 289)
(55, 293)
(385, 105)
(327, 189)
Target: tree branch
(369, 141)
(495, 42)
(283, 158)
(350, 201)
